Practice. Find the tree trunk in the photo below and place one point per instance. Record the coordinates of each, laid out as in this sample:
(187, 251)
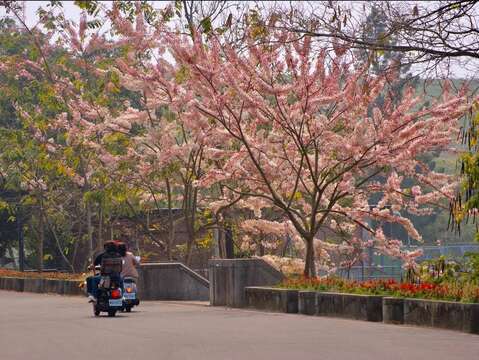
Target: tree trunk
(189, 242)
(21, 244)
(221, 243)
(99, 246)
(75, 251)
(89, 232)
(57, 241)
(190, 224)
(10, 253)
(41, 240)
(309, 267)
(171, 226)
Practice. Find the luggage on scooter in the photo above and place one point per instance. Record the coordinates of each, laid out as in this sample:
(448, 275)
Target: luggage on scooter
(111, 265)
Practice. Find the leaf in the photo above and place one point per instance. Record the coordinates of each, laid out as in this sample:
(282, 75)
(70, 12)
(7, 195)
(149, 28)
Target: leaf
(89, 6)
(206, 25)
(229, 21)
(297, 196)
(182, 74)
(55, 3)
(415, 11)
(3, 205)
(94, 24)
(178, 5)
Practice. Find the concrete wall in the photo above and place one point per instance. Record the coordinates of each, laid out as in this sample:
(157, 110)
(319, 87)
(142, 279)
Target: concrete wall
(393, 310)
(158, 281)
(52, 286)
(171, 281)
(350, 306)
(419, 312)
(442, 314)
(272, 299)
(230, 277)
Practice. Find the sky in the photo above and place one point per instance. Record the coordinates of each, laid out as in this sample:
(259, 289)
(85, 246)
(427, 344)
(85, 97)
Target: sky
(72, 12)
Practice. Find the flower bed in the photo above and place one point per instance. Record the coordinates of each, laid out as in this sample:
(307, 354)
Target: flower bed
(467, 292)
(41, 275)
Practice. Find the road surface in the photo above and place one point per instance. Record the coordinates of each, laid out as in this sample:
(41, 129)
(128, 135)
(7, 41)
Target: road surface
(51, 327)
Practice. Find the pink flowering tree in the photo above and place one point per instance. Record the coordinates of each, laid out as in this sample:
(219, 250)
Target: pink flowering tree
(302, 138)
(170, 151)
(76, 121)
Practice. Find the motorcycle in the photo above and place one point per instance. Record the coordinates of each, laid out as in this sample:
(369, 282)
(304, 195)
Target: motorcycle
(109, 295)
(130, 294)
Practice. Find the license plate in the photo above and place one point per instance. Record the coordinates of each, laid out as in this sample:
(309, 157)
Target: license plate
(115, 302)
(129, 296)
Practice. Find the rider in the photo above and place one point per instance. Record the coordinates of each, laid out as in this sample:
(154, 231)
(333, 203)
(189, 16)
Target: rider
(130, 262)
(110, 252)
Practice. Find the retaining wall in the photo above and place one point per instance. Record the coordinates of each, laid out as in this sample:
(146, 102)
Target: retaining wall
(171, 281)
(272, 299)
(349, 306)
(426, 313)
(158, 281)
(52, 286)
(442, 314)
(230, 277)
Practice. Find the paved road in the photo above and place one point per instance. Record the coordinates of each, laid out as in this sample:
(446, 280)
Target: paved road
(50, 327)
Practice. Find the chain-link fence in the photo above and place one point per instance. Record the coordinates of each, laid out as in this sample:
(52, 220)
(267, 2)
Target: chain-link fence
(384, 267)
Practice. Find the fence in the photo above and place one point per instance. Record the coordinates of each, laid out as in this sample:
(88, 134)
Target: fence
(384, 267)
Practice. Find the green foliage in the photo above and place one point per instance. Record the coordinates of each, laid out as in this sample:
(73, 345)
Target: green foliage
(182, 74)
(206, 25)
(91, 7)
(472, 265)
(439, 270)
(466, 204)
(206, 242)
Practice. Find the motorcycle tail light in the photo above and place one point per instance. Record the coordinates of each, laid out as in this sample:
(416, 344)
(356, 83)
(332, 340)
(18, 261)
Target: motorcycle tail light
(129, 289)
(116, 294)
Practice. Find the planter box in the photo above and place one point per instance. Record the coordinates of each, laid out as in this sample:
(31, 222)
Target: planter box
(71, 287)
(393, 310)
(442, 314)
(307, 303)
(11, 283)
(33, 285)
(52, 286)
(350, 306)
(272, 299)
(61, 287)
